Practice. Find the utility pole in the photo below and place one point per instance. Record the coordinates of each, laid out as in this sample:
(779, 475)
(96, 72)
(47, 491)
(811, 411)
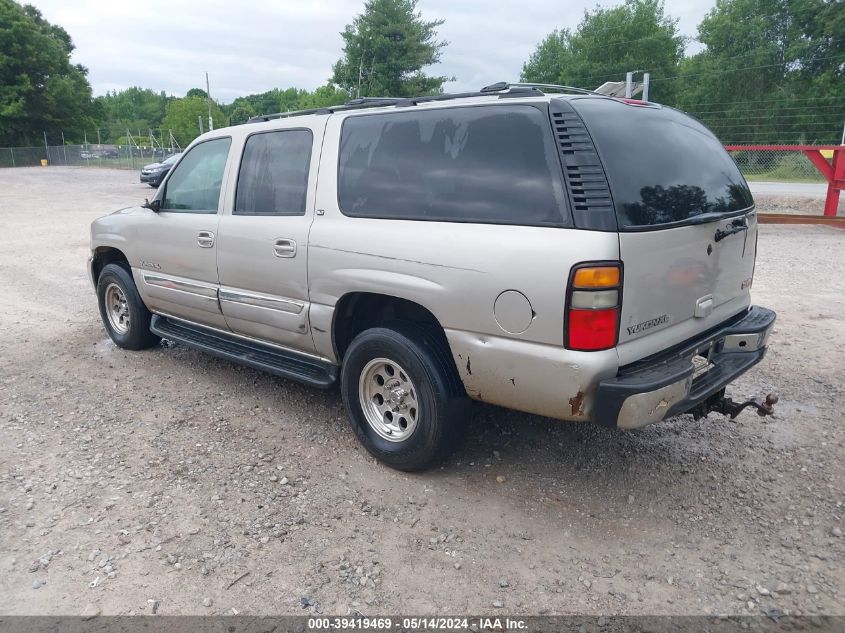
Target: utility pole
(208, 96)
(360, 74)
(199, 120)
(46, 148)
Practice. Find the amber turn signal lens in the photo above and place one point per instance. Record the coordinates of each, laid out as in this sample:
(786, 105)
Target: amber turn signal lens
(596, 277)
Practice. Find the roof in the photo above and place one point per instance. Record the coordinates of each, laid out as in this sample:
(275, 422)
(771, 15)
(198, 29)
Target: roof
(501, 90)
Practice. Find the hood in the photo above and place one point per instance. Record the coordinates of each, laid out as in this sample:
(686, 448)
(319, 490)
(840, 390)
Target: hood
(154, 166)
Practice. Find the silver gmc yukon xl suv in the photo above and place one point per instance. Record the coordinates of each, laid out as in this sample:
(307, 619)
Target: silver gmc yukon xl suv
(540, 248)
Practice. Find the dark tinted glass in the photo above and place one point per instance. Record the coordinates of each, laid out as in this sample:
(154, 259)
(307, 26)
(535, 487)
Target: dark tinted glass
(194, 184)
(662, 165)
(493, 164)
(274, 174)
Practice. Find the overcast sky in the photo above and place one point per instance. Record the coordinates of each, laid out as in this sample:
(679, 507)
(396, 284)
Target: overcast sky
(250, 47)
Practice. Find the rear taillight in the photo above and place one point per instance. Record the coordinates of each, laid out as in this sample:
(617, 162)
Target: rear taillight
(593, 302)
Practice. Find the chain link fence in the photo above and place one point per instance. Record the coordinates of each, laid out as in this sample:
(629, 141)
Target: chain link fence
(791, 169)
(755, 165)
(776, 166)
(111, 156)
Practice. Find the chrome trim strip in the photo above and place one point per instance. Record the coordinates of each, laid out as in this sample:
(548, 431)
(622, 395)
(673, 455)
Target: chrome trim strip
(246, 338)
(262, 301)
(171, 283)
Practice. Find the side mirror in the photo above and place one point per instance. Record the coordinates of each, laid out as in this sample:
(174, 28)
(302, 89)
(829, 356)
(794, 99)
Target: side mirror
(154, 206)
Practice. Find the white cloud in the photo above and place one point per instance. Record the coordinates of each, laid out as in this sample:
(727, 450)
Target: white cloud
(253, 47)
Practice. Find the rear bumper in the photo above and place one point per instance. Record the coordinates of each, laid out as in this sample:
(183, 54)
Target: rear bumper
(669, 384)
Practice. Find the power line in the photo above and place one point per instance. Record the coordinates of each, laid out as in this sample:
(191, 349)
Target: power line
(733, 70)
(797, 125)
(621, 73)
(779, 109)
(790, 99)
(795, 118)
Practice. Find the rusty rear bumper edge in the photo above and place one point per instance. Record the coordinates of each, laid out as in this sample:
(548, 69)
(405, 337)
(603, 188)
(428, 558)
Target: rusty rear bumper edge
(651, 390)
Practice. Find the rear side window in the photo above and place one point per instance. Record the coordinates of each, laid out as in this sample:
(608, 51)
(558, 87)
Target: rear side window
(273, 179)
(663, 166)
(493, 164)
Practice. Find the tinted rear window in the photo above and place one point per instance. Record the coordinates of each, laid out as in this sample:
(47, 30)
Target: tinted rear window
(663, 166)
(273, 179)
(487, 164)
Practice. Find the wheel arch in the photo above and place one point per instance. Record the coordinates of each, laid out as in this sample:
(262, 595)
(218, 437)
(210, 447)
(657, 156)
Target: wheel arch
(357, 311)
(104, 255)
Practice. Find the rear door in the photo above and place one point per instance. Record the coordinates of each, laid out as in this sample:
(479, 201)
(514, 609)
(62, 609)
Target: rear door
(687, 228)
(263, 236)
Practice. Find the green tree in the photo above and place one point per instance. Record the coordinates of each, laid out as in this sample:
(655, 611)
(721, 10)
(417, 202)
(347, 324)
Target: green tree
(240, 114)
(183, 114)
(40, 90)
(136, 109)
(269, 102)
(635, 36)
(197, 92)
(385, 50)
(771, 71)
(323, 97)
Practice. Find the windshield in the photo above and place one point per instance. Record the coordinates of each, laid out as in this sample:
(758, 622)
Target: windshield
(663, 166)
(170, 159)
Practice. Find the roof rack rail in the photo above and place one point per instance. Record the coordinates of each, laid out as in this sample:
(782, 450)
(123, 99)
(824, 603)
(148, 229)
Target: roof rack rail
(503, 88)
(556, 88)
(354, 104)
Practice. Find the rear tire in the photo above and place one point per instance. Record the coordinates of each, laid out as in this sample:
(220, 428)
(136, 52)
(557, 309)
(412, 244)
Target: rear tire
(124, 314)
(403, 397)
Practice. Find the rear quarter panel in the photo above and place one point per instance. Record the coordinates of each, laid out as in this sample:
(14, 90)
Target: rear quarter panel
(457, 271)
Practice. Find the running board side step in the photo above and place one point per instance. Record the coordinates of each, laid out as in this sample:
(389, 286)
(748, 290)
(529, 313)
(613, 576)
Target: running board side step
(286, 364)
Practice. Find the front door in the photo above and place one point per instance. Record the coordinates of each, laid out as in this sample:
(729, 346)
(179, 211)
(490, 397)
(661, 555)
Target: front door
(263, 237)
(178, 245)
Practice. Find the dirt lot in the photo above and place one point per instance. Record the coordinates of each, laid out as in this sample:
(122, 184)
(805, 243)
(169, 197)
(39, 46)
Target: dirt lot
(167, 481)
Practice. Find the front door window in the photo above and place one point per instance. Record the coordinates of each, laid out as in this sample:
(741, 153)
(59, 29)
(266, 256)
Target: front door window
(194, 185)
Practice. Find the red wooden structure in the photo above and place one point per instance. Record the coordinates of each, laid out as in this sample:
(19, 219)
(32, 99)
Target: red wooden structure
(833, 171)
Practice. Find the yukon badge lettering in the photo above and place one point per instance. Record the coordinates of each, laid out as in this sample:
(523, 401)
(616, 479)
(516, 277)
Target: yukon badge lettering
(647, 325)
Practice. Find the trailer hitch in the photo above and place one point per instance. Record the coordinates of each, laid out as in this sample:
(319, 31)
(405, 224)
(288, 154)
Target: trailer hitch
(727, 406)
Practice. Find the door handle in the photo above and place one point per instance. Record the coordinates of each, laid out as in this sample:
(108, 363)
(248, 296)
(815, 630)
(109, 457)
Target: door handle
(284, 247)
(205, 239)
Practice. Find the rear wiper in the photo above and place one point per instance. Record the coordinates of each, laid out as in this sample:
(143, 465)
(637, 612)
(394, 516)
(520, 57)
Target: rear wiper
(704, 218)
(736, 226)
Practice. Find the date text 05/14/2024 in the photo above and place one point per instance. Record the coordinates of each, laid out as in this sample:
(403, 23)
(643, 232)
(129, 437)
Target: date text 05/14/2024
(415, 623)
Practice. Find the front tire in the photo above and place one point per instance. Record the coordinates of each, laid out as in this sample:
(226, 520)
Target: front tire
(124, 315)
(403, 397)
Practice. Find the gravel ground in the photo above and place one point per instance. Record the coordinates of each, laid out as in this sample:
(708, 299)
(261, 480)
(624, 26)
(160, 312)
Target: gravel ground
(792, 197)
(170, 482)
